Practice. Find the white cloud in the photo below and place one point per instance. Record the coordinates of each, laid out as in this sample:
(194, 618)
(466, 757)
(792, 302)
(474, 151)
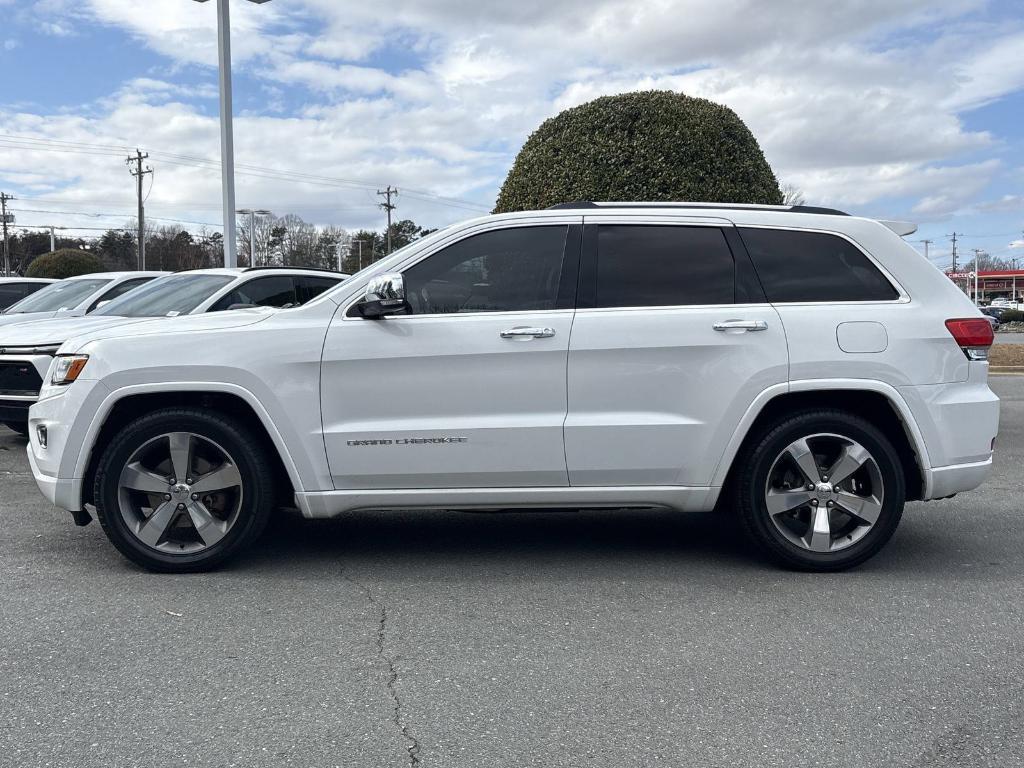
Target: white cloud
(858, 104)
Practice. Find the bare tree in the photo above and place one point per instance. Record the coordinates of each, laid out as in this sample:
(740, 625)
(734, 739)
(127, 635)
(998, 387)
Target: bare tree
(792, 194)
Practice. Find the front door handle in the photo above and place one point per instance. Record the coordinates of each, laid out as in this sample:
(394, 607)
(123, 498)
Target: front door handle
(741, 325)
(535, 333)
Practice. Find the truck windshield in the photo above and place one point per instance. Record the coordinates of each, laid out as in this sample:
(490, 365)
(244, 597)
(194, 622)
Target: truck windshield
(67, 294)
(166, 296)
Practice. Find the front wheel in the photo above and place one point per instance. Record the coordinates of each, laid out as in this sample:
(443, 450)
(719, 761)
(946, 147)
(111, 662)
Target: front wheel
(821, 490)
(180, 490)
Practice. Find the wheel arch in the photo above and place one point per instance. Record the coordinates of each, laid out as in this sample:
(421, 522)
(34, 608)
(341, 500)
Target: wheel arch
(124, 406)
(876, 402)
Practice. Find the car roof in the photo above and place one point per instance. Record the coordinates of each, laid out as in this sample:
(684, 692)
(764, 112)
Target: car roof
(16, 279)
(740, 214)
(117, 275)
(240, 271)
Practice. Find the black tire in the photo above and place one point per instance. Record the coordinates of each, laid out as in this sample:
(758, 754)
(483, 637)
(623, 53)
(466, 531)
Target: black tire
(758, 457)
(21, 427)
(254, 466)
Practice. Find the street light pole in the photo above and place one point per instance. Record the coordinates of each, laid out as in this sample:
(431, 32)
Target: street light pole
(252, 213)
(227, 141)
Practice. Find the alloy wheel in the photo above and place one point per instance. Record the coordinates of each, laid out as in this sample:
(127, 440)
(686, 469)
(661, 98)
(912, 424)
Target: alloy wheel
(180, 493)
(824, 492)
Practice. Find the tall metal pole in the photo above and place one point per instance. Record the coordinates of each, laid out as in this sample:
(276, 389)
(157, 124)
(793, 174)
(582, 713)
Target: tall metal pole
(53, 240)
(227, 144)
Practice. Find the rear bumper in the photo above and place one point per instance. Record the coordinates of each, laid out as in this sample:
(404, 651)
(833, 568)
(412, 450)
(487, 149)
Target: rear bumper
(958, 423)
(945, 481)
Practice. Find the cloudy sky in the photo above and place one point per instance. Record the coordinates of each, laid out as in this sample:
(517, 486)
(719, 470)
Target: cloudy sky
(892, 108)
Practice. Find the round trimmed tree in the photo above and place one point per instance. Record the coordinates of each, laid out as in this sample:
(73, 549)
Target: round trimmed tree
(642, 146)
(67, 262)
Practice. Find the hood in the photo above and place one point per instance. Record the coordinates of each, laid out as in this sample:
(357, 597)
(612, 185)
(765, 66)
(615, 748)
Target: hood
(37, 333)
(160, 326)
(25, 317)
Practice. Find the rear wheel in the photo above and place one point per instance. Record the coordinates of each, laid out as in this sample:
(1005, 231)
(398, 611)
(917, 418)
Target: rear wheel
(822, 490)
(180, 490)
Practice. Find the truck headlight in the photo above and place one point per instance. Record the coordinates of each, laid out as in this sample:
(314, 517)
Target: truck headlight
(67, 368)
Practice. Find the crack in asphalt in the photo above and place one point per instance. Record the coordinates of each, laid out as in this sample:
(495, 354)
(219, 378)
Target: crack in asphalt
(413, 747)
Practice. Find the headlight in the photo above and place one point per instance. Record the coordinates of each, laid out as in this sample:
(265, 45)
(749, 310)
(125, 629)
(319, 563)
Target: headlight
(67, 368)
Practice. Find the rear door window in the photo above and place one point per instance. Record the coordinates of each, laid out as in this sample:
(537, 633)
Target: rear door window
(800, 266)
(648, 265)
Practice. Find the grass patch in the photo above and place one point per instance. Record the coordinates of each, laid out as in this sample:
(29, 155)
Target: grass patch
(1006, 354)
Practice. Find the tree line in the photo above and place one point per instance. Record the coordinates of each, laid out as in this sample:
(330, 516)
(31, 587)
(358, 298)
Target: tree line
(263, 241)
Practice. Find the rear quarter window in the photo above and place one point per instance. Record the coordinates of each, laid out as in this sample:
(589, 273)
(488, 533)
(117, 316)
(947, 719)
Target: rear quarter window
(796, 266)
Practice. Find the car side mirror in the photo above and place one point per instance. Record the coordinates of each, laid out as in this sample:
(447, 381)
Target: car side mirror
(385, 295)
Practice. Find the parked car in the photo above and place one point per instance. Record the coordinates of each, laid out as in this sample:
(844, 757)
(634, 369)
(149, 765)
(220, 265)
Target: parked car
(807, 368)
(993, 315)
(14, 289)
(27, 349)
(1006, 303)
(75, 296)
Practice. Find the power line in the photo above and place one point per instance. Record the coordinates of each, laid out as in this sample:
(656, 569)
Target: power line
(96, 215)
(172, 158)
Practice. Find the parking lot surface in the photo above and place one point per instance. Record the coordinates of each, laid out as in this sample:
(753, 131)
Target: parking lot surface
(597, 638)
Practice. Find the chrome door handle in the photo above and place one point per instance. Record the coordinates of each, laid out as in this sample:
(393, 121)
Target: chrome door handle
(741, 325)
(536, 333)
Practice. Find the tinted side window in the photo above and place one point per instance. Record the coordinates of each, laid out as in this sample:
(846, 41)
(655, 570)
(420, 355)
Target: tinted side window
(12, 292)
(263, 292)
(505, 270)
(813, 266)
(307, 288)
(663, 266)
(119, 290)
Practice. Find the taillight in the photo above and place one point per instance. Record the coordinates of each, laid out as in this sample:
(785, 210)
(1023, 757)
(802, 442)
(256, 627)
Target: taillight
(973, 335)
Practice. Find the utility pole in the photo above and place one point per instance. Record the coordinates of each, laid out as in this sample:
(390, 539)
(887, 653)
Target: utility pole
(53, 239)
(954, 236)
(926, 244)
(4, 197)
(138, 173)
(389, 207)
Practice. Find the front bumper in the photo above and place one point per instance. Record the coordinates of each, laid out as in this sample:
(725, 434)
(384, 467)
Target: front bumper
(60, 467)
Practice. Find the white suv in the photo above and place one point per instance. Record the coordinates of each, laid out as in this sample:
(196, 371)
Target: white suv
(807, 366)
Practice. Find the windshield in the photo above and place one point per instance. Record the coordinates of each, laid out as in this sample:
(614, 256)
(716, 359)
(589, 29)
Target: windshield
(67, 294)
(166, 296)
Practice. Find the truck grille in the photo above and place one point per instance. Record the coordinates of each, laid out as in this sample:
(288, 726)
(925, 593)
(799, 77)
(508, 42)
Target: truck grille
(19, 379)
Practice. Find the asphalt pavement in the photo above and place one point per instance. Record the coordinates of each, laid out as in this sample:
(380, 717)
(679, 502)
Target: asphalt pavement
(596, 638)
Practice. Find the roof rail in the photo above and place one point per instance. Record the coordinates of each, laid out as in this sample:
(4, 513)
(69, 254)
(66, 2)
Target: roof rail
(286, 266)
(585, 204)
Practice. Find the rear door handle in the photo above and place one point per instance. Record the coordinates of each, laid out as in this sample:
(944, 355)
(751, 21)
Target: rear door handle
(536, 333)
(741, 325)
